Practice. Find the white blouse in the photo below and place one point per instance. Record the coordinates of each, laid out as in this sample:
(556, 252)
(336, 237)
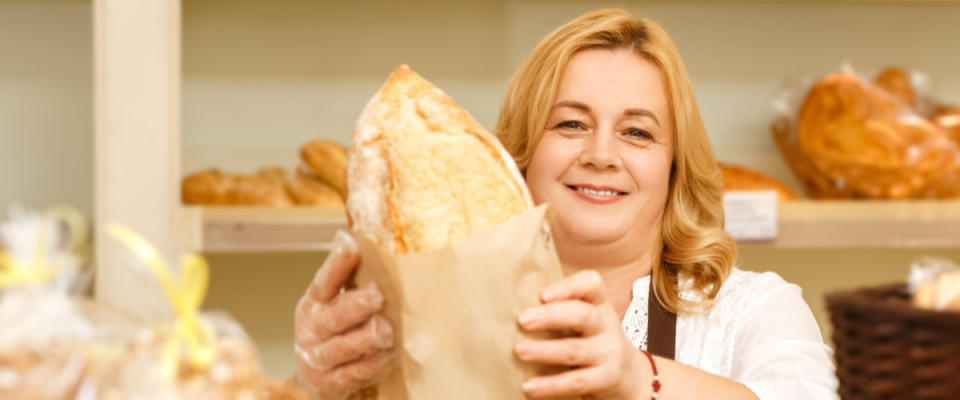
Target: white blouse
(760, 333)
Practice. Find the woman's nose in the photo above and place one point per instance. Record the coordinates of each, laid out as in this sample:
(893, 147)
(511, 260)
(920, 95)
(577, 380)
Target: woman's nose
(600, 151)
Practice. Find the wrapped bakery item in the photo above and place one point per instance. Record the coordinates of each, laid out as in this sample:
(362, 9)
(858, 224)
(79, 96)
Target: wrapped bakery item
(43, 329)
(448, 231)
(212, 187)
(328, 161)
(737, 178)
(847, 137)
(196, 356)
(935, 284)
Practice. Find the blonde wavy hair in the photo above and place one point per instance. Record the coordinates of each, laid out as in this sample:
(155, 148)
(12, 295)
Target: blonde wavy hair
(695, 246)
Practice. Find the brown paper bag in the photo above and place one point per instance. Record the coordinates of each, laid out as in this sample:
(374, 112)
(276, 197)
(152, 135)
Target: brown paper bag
(454, 310)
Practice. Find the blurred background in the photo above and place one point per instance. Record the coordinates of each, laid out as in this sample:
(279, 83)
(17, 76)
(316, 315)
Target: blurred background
(261, 78)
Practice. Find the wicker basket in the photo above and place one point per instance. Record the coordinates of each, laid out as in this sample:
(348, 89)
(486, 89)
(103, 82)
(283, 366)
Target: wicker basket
(888, 349)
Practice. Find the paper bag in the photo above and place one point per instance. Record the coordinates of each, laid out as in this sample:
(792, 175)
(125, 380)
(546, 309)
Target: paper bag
(454, 310)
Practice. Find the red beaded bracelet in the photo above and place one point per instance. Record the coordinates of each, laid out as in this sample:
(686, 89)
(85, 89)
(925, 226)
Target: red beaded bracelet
(656, 376)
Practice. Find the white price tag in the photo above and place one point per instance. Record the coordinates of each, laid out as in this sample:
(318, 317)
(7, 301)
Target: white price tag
(750, 215)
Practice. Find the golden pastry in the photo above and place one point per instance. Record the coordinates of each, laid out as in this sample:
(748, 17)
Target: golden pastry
(739, 178)
(857, 138)
(311, 191)
(896, 82)
(328, 161)
(211, 187)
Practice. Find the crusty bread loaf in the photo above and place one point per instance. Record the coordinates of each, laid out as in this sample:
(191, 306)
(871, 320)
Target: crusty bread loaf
(308, 190)
(740, 178)
(211, 187)
(422, 174)
(328, 161)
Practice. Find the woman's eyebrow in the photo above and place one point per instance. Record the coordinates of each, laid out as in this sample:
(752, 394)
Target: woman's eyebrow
(641, 112)
(572, 104)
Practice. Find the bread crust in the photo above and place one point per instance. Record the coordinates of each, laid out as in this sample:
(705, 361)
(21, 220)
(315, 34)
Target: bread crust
(423, 174)
(740, 178)
(213, 188)
(328, 162)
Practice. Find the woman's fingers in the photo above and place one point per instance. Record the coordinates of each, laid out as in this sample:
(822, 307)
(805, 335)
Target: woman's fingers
(349, 377)
(579, 381)
(571, 352)
(373, 336)
(317, 322)
(571, 315)
(584, 285)
(337, 268)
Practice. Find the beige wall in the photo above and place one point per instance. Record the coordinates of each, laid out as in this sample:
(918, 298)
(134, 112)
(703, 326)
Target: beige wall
(261, 78)
(46, 103)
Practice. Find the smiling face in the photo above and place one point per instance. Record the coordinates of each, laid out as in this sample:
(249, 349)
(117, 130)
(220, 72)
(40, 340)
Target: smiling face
(603, 161)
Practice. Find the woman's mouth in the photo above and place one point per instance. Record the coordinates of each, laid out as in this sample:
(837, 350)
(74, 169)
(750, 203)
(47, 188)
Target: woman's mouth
(598, 195)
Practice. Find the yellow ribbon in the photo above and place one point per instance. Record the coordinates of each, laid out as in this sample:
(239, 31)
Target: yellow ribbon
(13, 273)
(185, 296)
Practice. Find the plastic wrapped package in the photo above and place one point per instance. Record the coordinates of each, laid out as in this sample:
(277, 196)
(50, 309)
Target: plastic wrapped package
(848, 137)
(43, 330)
(935, 284)
(195, 356)
(140, 367)
(55, 345)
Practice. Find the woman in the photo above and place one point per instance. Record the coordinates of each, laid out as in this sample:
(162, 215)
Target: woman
(602, 121)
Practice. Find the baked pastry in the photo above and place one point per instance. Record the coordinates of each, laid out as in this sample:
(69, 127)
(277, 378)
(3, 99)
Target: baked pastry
(311, 191)
(328, 161)
(275, 175)
(422, 174)
(896, 82)
(208, 187)
(943, 293)
(739, 178)
(211, 187)
(867, 144)
(948, 118)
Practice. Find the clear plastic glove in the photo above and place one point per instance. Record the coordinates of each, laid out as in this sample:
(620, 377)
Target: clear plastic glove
(342, 343)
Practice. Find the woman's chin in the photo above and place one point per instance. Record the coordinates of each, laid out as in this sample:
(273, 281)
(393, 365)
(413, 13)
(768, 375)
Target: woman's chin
(590, 234)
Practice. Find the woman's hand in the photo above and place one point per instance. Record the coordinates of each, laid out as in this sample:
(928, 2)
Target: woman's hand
(342, 343)
(605, 364)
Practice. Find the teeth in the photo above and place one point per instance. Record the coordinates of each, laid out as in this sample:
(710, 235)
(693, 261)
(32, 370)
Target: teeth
(605, 193)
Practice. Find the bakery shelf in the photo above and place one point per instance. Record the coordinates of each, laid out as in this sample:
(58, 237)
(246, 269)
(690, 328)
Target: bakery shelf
(263, 229)
(802, 224)
(868, 224)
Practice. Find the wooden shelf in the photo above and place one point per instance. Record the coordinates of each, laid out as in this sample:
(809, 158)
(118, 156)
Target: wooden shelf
(263, 229)
(802, 224)
(869, 224)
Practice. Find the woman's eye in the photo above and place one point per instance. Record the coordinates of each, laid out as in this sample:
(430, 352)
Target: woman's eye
(639, 133)
(569, 125)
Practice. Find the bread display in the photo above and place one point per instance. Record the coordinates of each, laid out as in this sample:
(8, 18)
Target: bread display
(740, 178)
(948, 118)
(856, 139)
(328, 161)
(270, 186)
(423, 173)
(309, 190)
(896, 82)
(212, 187)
